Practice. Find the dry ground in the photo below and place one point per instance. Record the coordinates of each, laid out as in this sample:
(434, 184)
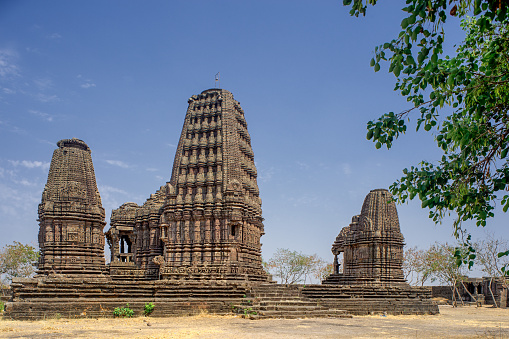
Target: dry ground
(461, 322)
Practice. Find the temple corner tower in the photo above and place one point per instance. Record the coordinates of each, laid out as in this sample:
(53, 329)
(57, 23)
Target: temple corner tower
(71, 216)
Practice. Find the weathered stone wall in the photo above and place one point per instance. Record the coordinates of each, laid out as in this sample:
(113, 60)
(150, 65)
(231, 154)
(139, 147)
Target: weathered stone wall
(59, 296)
(441, 292)
(478, 289)
(362, 300)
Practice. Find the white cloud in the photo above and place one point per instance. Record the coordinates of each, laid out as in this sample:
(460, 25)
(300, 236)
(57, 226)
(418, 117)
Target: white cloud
(32, 50)
(88, 85)
(302, 200)
(20, 200)
(117, 163)
(43, 141)
(265, 174)
(43, 84)
(171, 145)
(12, 128)
(7, 64)
(110, 189)
(46, 98)
(30, 164)
(43, 115)
(303, 165)
(8, 90)
(150, 169)
(54, 36)
(25, 182)
(158, 177)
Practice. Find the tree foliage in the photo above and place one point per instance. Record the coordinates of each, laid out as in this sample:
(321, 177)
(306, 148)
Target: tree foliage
(292, 267)
(323, 270)
(473, 171)
(437, 263)
(18, 261)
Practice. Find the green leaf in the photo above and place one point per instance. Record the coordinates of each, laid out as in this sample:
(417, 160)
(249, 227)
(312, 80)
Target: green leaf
(503, 254)
(370, 134)
(377, 67)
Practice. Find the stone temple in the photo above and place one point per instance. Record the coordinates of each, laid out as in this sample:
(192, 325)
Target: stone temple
(206, 222)
(71, 216)
(194, 245)
(372, 245)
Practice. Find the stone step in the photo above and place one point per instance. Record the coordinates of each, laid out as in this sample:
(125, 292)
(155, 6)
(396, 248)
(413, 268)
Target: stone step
(294, 315)
(290, 308)
(287, 302)
(273, 294)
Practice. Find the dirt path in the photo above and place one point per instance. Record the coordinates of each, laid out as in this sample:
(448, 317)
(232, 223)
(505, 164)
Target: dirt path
(470, 322)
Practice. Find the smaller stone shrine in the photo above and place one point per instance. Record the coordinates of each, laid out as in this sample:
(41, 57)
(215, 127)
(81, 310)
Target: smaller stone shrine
(71, 216)
(372, 245)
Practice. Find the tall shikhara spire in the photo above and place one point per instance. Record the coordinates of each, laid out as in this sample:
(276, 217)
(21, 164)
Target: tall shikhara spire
(214, 160)
(212, 216)
(206, 222)
(71, 216)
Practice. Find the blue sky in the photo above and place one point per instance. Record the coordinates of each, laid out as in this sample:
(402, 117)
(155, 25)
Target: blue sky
(117, 74)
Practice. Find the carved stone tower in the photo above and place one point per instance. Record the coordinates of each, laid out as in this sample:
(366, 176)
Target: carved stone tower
(71, 216)
(372, 245)
(205, 223)
(211, 222)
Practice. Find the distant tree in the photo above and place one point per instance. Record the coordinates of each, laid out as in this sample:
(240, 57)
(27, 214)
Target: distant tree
(18, 261)
(473, 172)
(324, 269)
(292, 267)
(414, 265)
(441, 265)
(491, 263)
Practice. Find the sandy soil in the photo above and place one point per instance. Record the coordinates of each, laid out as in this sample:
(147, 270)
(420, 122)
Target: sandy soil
(461, 322)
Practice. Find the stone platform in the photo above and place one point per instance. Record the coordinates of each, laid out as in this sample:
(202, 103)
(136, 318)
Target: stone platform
(56, 296)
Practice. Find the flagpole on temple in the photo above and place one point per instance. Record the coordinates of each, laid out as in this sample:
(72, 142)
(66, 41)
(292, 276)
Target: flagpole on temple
(217, 83)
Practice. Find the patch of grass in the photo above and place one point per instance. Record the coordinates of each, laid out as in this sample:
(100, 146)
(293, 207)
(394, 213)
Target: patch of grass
(149, 308)
(2, 306)
(123, 312)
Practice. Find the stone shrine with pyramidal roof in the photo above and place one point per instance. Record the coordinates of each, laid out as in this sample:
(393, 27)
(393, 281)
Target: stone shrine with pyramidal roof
(194, 245)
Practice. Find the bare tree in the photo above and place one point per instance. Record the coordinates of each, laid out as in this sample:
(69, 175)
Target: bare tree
(325, 269)
(414, 266)
(292, 267)
(491, 264)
